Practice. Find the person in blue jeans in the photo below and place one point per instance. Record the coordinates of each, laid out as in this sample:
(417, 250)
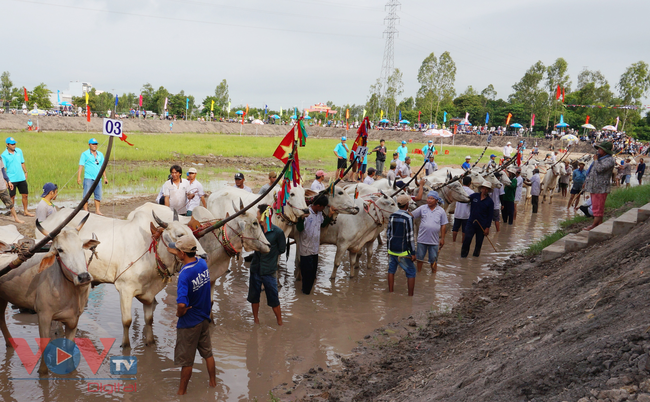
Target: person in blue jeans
(264, 266)
(400, 244)
(193, 307)
(91, 162)
(480, 219)
(431, 233)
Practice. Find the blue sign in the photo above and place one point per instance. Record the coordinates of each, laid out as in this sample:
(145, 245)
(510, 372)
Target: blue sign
(124, 365)
(61, 356)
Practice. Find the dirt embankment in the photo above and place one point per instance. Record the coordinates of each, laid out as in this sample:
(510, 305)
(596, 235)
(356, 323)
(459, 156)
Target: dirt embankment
(14, 123)
(575, 329)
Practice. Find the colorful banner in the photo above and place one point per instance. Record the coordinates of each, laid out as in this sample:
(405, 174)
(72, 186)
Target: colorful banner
(419, 115)
(508, 119)
(165, 108)
(88, 112)
(587, 121)
(212, 107)
(444, 119)
(26, 97)
(87, 99)
(487, 118)
(139, 103)
(633, 107)
(532, 121)
(116, 98)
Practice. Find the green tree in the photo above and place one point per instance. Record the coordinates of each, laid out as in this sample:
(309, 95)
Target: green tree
(40, 95)
(394, 89)
(556, 74)
(470, 91)
(489, 93)
(437, 78)
(592, 89)
(148, 101)
(633, 86)
(221, 96)
(5, 88)
(373, 103)
(528, 92)
(159, 100)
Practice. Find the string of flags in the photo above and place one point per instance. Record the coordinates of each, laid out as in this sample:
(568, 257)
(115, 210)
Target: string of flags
(633, 107)
(284, 152)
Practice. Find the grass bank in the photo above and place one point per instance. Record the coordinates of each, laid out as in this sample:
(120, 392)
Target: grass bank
(54, 157)
(618, 202)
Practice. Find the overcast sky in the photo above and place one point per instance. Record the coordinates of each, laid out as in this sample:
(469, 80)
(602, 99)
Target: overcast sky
(299, 52)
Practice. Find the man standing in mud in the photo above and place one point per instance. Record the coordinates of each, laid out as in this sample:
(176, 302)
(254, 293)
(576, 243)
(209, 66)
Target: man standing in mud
(480, 219)
(400, 244)
(90, 163)
(598, 181)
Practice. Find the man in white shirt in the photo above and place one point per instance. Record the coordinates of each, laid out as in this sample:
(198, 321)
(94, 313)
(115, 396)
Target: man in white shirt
(496, 199)
(507, 150)
(318, 185)
(461, 214)
(45, 208)
(310, 242)
(272, 177)
(371, 176)
(175, 191)
(239, 182)
(195, 193)
(392, 175)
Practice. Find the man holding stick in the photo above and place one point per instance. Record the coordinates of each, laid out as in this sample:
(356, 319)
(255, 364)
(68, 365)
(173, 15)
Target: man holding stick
(598, 181)
(480, 219)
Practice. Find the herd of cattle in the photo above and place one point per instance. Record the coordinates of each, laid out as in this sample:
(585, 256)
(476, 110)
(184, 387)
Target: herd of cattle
(132, 254)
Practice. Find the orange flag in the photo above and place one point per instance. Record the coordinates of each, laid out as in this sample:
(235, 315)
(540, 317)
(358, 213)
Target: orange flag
(508, 119)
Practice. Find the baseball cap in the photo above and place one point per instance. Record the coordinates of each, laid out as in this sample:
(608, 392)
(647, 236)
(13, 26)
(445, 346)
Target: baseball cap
(47, 188)
(344, 138)
(431, 141)
(468, 157)
(403, 142)
(239, 176)
(403, 200)
(493, 156)
(186, 244)
(320, 173)
(10, 140)
(92, 141)
(191, 170)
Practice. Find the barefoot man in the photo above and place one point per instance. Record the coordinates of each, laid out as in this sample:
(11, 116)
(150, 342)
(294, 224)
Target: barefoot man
(598, 182)
(91, 162)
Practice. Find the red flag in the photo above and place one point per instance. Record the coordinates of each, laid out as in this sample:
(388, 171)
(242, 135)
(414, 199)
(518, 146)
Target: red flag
(419, 114)
(557, 95)
(587, 122)
(532, 121)
(508, 119)
(123, 137)
(140, 100)
(26, 97)
(286, 146)
(88, 113)
(347, 114)
(563, 95)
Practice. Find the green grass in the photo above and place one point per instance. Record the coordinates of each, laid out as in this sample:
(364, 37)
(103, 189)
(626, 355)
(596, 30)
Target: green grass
(618, 198)
(54, 157)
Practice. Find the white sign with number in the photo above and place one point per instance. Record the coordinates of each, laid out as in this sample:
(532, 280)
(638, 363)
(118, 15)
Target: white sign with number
(113, 127)
(361, 153)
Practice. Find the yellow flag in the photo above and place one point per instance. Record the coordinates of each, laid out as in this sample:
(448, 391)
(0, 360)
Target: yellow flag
(247, 108)
(364, 114)
(381, 114)
(280, 112)
(212, 107)
(86, 98)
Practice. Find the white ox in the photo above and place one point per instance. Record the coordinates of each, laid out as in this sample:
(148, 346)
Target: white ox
(55, 285)
(550, 180)
(224, 201)
(236, 234)
(354, 233)
(134, 258)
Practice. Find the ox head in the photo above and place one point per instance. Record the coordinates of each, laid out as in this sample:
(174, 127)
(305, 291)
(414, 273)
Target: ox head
(171, 232)
(250, 231)
(387, 204)
(341, 201)
(296, 205)
(454, 192)
(68, 250)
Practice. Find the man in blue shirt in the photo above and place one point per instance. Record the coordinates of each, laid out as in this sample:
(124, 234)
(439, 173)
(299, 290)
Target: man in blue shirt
(194, 305)
(480, 219)
(579, 176)
(402, 151)
(14, 162)
(91, 162)
(466, 165)
(341, 151)
(428, 147)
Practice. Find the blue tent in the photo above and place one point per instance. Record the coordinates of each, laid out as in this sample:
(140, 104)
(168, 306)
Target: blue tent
(561, 123)
(308, 117)
(240, 112)
(404, 122)
(516, 125)
(294, 117)
(384, 121)
(275, 116)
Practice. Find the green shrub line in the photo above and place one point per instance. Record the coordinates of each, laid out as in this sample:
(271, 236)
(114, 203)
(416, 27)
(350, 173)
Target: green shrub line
(616, 201)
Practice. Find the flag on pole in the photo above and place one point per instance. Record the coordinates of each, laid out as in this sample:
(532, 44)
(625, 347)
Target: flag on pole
(616, 126)
(419, 115)
(187, 103)
(587, 122)
(139, 103)
(229, 107)
(26, 97)
(58, 96)
(87, 99)
(362, 136)
(246, 112)
(532, 121)
(295, 112)
(116, 98)
(444, 118)
(467, 117)
(301, 134)
(280, 112)
(508, 119)
(400, 115)
(266, 107)
(381, 115)
(487, 118)
(347, 114)
(165, 108)
(563, 95)
(283, 150)
(364, 114)
(88, 112)
(557, 93)
(212, 106)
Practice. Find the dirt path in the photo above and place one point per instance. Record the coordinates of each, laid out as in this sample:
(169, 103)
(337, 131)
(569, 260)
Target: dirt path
(575, 329)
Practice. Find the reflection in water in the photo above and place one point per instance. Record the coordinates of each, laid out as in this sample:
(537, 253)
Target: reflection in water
(250, 359)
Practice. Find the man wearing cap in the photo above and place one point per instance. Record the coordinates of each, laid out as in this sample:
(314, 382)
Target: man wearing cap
(90, 162)
(14, 162)
(428, 147)
(479, 221)
(317, 185)
(264, 266)
(194, 304)
(402, 151)
(45, 208)
(509, 194)
(466, 165)
(400, 244)
(175, 191)
(272, 177)
(371, 176)
(492, 163)
(579, 175)
(239, 182)
(341, 151)
(431, 233)
(507, 150)
(430, 166)
(195, 193)
(598, 181)
(381, 156)
(5, 196)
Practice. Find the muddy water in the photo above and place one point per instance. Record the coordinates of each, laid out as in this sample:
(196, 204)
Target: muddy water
(251, 360)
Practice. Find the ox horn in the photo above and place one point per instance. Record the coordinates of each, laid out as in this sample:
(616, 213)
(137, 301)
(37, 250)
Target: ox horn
(241, 204)
(175, 215)
(83, 222)
(159, 221)
(40, 229)
(234, 207)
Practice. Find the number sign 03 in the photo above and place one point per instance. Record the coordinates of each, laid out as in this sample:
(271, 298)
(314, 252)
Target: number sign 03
(113, 127)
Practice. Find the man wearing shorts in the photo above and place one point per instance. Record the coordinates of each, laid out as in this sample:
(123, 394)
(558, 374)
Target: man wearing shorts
(598, 181)
(264, 266)
(90, 162)
(431, 233)
(194, 305)
(14, 162)
(400, 244)
(579, 175)
(341, 151)
(4, 193)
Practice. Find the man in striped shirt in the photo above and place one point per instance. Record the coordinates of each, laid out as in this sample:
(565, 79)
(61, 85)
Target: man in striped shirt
(401, 245)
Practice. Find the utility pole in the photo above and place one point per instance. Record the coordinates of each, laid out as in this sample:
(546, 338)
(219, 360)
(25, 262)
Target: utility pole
(388, 63)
